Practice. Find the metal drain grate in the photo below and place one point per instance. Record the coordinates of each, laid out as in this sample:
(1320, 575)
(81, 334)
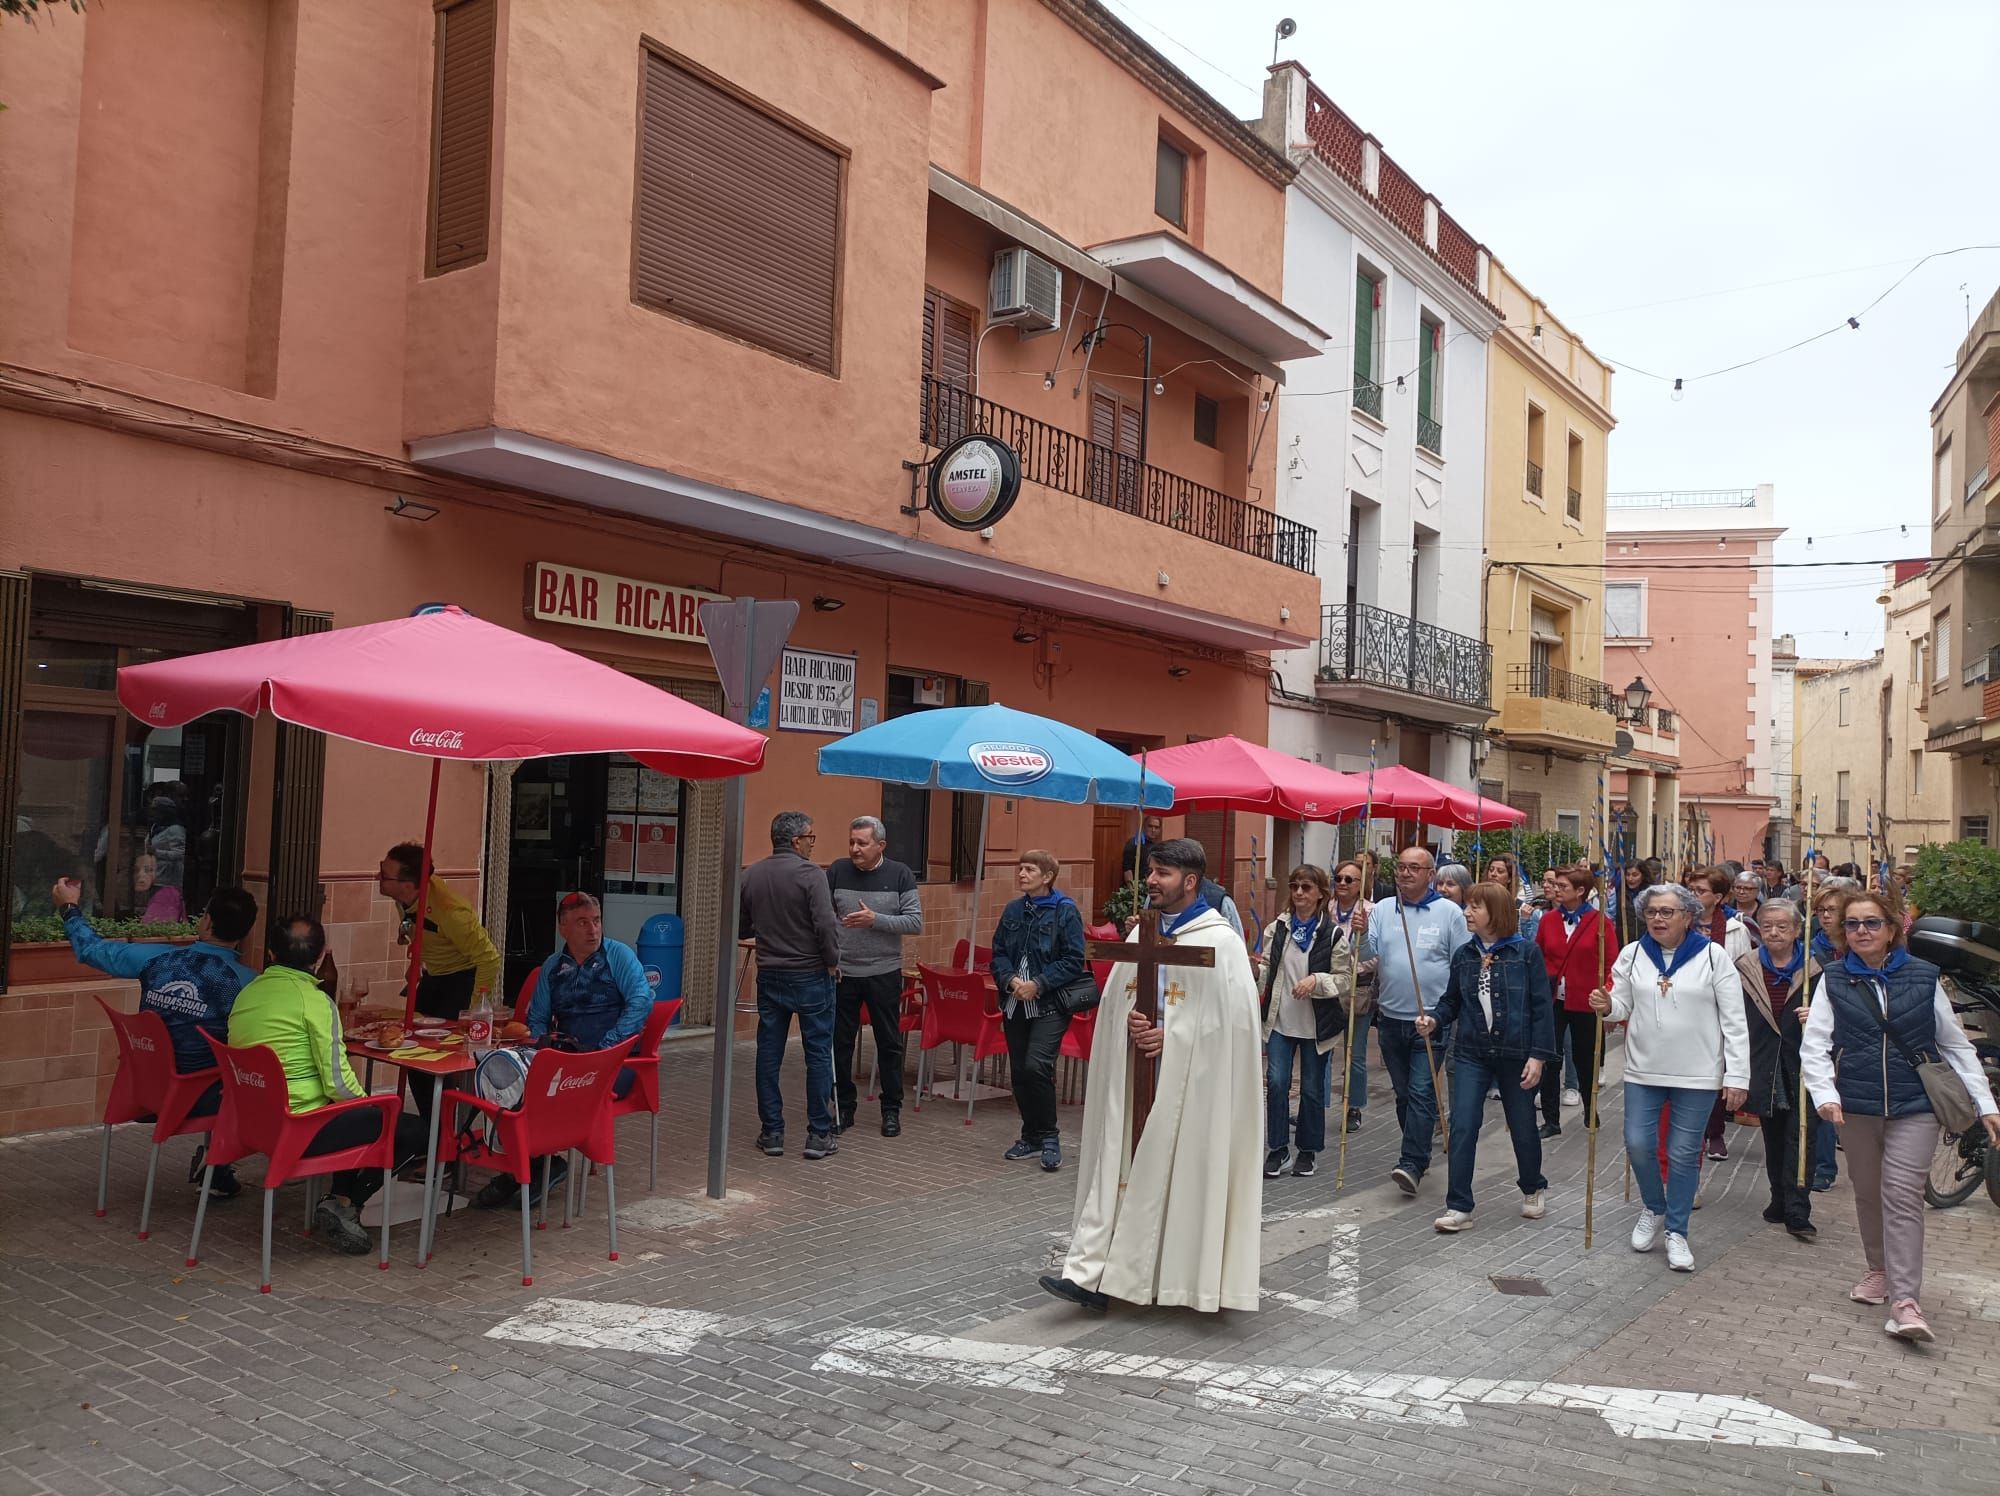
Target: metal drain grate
(1528, 1287)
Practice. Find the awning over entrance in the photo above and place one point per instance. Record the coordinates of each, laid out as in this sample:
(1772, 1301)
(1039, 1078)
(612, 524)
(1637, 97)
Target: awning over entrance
(1175, 270)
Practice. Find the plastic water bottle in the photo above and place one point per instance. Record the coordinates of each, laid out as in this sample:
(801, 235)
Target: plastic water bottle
(479, 1024)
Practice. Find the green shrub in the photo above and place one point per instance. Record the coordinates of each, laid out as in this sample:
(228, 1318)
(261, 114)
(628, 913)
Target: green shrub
(1127, 901)
(1961, 879)
(1535, 851)
(31, 928)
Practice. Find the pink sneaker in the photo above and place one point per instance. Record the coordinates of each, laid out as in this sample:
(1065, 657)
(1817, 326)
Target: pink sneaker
(1873, 1289)
(1906, 1322)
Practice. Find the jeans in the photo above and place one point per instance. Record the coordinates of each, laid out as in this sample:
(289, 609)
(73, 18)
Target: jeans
(1033, 1046)
(1471, 1076)
(809, 994)
(1826, 1158)
(1687, 1110)
(1315, 1075)
(1408, 1064)
(883, 995)
(1357, 1062)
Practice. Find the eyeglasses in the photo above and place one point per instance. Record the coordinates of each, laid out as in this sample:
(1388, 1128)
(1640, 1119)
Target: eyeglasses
(807, 836)
(1661, 913)
(1871, 924)
(1350, 878)
(1413, 867)
(1310, 887)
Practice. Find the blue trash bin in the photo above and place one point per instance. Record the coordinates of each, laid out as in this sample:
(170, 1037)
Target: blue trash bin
(662, 949)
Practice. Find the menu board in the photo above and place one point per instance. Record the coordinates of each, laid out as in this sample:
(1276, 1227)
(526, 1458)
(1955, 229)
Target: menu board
(658, 843)
(619, 844)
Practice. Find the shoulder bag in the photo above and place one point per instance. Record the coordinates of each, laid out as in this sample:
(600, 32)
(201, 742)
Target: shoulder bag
(1949, 1099)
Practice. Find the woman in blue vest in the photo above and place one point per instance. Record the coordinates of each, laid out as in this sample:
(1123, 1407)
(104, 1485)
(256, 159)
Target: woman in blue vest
(1880, 1013)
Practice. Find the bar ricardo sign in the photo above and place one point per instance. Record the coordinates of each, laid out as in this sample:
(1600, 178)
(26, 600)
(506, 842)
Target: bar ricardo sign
(625, 605)
(974, 482)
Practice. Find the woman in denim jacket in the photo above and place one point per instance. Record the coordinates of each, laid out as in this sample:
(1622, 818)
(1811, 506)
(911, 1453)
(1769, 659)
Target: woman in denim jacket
(1498, 997)
(1037, 954)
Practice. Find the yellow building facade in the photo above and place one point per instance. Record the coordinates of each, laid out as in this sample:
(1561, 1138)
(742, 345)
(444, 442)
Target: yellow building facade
(1549, 421)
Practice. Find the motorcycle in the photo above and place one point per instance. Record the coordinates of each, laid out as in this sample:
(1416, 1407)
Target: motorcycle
(1968, 954)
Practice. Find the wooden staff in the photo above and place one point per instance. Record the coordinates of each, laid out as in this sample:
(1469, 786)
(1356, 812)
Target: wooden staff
(1597, 1028)
(1811, 928)
(1347, 1055)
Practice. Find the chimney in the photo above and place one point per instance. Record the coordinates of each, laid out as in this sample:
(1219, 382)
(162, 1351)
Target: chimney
(1283, 125)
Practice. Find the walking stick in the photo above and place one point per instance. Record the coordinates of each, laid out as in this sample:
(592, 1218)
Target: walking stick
(1597, 1027)
(1347, 1055)
(1812, 919)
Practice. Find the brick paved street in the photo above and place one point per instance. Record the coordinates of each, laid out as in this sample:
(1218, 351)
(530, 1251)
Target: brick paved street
(871, 1323)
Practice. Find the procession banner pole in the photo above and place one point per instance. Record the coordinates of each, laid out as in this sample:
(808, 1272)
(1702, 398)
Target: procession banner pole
(1597, 1041)
(1811, 923)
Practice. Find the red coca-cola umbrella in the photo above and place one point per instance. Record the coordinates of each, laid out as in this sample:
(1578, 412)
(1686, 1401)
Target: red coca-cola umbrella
(445, 685)
(1229, 774)
(1403, 793)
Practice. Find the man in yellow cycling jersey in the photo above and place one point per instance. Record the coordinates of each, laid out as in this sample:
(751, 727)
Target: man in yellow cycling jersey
(459, 958)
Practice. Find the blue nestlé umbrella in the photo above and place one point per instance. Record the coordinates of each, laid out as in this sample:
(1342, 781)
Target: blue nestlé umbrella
(995, 750)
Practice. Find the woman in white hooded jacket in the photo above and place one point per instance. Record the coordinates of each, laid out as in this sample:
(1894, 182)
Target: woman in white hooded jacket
(1687, 1040)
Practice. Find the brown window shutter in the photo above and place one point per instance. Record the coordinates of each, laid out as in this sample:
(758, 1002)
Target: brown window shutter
(462, 135)
(738, 217)
(13, 664)
(296, 804)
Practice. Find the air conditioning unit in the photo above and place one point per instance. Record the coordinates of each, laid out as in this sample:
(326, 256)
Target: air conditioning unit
(1025, 292)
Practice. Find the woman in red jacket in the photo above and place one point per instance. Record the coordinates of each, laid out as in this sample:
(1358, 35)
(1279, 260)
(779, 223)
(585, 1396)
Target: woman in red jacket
(1568, 939)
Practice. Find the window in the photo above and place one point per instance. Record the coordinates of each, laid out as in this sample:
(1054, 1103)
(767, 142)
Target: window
(1116, 450)
(1973, 829)
(1625, 610)
(1536, 436)
(1544, 640)
(1916, 773)
(1367, 335)
(1430, 352)
(1569, 823)
(949, 328)
(150, 819)
(1206, 415)
(908, 810)
(1941, 648)
(738, 216)
(461, 135)
(1917, 650)
(1842, 783)
(1944, 479)
(1170, 180)
(1846, 707)
(1574, 505)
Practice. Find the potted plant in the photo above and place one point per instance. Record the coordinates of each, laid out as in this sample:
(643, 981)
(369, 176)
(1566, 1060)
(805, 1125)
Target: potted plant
(1960, 879)
(41, 951)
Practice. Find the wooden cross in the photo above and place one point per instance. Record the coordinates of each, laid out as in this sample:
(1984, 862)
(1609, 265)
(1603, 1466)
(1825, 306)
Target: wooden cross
(1149, 953)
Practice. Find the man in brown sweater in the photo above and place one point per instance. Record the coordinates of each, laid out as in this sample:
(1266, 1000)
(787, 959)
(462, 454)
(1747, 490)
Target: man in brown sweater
(787, 910)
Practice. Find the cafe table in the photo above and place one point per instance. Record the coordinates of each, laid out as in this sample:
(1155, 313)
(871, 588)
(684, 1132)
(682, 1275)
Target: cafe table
(420, 1057)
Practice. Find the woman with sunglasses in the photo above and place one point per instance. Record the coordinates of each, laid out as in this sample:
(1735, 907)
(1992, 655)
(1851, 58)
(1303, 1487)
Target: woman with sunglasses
(1348, 883)
(1306, 976)
(1879, 1013)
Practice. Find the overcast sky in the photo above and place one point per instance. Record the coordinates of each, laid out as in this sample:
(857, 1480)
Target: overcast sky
(1649, 171)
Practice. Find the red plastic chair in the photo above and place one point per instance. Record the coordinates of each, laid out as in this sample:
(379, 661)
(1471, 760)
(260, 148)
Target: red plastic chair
(526, 995)
(148, 1089)
(645, 1093)
(961, 1008)
(1082, 1030)
(565, 1107)
(256, 1117)
(982, 957)
(910, 1017)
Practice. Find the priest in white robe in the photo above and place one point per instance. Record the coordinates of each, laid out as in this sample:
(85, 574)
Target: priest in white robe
(1179, 1219)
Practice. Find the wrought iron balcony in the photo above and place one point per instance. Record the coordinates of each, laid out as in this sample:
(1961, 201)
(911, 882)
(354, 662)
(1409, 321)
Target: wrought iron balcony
(1576, 503)
(1074, 464)
(1366, 644)
(1368, 397)
(1664, 720)
(1535, 479)
(1561, 685)
(1430, 435)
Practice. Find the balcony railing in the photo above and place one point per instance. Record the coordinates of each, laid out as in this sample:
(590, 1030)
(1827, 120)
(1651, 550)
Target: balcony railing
(1976, 482)
(1665, 720)
(1560, 685)
(1430, 435)
(1535, 479)
(1368, 397)
(1073, 464)
(1694, 498)
(1576, 503)
(1359, 642)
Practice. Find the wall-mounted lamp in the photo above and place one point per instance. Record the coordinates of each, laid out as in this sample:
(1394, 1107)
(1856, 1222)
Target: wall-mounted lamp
(1025, 632)
(1164, 579)
(824, 604)
(1179, 672)
(411, 509)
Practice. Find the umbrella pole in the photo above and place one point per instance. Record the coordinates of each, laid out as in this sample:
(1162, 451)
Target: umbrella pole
(978, 876)
(416, 973)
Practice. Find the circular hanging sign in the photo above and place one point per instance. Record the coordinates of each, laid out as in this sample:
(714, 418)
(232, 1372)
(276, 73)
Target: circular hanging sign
(1010, 763)
(974, 482)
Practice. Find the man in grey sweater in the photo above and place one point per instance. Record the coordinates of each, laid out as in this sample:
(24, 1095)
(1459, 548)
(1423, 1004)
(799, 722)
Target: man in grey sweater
(877, 904)
(787, 911)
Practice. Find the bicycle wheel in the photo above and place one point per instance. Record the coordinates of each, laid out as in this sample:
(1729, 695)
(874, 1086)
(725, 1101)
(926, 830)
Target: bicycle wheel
(1957, 1167)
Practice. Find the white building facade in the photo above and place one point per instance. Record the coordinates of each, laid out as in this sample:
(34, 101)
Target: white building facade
(1382, 448)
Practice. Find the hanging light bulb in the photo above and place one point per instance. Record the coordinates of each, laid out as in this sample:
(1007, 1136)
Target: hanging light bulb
(1399, 384)
(1264, 400)
(1536, 338)
(1677, 390)
(1159, 386)
(1048, 381)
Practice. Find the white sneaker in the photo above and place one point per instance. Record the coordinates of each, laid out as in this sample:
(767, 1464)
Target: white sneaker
(1646, 1234)
(1572, 1096)
(1680, 1256)
(1533, 1205)
(1453, 1220)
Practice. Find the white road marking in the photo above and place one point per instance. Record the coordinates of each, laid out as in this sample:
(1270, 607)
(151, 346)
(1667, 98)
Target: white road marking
(1342, 1294)
(1391, 1397)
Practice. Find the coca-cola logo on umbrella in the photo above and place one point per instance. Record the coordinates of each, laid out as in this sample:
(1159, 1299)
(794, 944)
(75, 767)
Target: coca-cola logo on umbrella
(442, 737)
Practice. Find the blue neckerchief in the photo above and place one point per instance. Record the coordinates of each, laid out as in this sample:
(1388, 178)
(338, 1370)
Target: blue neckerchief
(1302, 934)
(1692, 945)
(1498, 946)
(1854, 966)
(1822, 947)
(1789, 970)
(1172, 922)
(1425, 902)
(1572, 916)
(1055, 898)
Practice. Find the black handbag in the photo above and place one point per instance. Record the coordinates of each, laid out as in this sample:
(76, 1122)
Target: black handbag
(1079, 996)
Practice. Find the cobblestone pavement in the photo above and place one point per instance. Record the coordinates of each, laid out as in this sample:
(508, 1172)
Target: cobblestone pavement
(870, 1323)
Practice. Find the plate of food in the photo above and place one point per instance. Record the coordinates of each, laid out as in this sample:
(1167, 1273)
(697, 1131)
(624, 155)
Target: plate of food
(431, 1032)
(390, 1036)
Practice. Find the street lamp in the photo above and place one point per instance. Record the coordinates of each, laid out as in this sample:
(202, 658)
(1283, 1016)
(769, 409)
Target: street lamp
(1095, 337)
(1636, 698)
